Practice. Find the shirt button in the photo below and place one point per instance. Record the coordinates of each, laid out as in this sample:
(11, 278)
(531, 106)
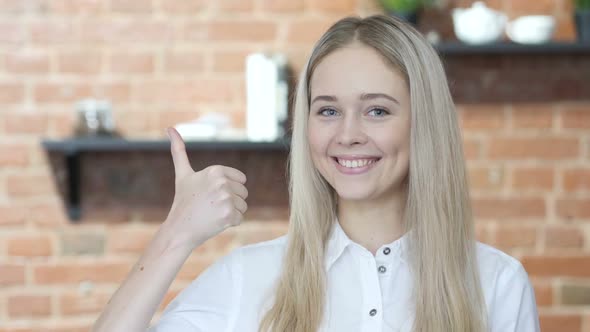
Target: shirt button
(373, 312)
(382, 269)
(386, 251)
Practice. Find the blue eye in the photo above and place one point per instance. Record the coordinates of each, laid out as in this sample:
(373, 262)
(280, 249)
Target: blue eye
(379, 112)
(328, 112)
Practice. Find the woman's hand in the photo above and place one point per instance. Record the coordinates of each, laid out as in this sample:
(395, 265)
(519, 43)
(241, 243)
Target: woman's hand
(205, 202)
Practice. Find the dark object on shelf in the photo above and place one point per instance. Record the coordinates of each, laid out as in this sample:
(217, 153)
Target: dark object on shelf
(125, 152)
(582, 19)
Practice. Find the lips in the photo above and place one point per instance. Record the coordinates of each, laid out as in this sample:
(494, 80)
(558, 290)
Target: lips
(355, 164)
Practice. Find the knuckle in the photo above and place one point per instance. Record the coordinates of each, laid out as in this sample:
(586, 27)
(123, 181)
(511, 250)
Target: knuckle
(215, 171)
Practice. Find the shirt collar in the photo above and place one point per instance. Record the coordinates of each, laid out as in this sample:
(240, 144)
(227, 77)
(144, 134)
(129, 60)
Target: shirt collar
(339, 241)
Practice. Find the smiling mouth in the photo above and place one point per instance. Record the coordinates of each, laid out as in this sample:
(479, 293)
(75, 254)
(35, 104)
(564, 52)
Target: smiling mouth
(355, 163)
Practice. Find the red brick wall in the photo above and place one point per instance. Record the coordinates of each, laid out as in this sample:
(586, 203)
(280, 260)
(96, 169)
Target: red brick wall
(165, 61)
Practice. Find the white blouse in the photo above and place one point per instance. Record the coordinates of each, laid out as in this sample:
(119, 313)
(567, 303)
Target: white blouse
(365, 293)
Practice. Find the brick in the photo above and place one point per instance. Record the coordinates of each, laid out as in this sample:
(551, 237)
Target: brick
(251, 31)
(27, 63)
(12, 215)
(483, 233)
(558, 237)
(136, 31)
(193, 267)
(575, 294)
(557, 266)
(12, 274)
(62, 124)
(132, 63)
(333, 6)
(129, 240)
(471, 149)
(235, 5)
(307, 31)
(510, 237)
(565, 28)
(184, 62)
(573, 208)
(537, 116)
(136, 122)
(29, 186)
(48, 215)
(526, 178)
(539, 7)
(501, 208)
(64, 93)
(220, 244)
(255, 234)
(25, 123)
(283, 6)
(543, 293)
(481, 117)
(132, 6)
(11, 93)
(54, 32)
(116, 92)
(70, 7)
(80, 63)
(576, 117)
(21, 306)
(69, 273)
(23, 7)
(12, 33)
(230, 61)
(560, 322)
(486, 178)
(29, 246)
(81, 243)
(72, 303)
(186, 7)
(167, 119)
(576, 179)
(534, 148)
(187, 91)
(14, 155)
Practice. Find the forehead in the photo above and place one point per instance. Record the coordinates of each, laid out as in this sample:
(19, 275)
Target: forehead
(355, 69)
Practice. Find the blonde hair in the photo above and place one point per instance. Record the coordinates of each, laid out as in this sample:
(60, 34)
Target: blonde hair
(441, 246)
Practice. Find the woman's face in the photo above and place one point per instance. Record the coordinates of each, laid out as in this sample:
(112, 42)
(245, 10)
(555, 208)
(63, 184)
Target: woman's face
(359, 123)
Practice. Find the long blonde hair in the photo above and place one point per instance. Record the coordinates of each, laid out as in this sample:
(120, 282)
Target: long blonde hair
(441, 246)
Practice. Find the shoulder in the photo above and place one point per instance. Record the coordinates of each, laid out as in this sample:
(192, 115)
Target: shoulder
(260, 252)
(255, 259)
(498, 270)
(492, 260)
(508, 292)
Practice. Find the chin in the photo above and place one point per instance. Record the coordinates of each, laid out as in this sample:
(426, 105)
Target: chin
(353, 193)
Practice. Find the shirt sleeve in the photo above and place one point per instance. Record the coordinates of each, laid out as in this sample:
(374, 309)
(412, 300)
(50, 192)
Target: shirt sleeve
(515, 308)
(209, 303)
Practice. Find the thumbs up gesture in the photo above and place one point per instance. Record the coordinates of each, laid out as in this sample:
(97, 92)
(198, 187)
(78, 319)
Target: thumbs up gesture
(205, 202)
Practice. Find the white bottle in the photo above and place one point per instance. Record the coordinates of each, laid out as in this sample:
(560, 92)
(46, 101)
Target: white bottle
(261, 87)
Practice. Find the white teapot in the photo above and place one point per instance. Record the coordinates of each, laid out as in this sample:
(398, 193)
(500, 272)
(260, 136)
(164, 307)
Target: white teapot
(478, 24)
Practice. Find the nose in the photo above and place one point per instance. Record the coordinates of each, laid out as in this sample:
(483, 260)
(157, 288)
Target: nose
(351, 131)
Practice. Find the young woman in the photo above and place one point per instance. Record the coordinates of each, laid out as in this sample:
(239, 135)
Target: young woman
(381, 234)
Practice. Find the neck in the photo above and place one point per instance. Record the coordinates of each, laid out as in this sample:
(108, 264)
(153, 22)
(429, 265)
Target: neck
(375, 222)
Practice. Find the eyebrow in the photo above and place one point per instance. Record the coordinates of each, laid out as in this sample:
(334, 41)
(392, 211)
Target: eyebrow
(364, 96)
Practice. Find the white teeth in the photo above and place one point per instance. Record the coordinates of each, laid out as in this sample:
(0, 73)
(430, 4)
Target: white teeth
(355, 163)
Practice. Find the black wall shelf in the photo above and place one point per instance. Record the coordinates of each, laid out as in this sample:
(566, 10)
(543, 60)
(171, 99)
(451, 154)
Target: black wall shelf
(510, 48)
(73, 149)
